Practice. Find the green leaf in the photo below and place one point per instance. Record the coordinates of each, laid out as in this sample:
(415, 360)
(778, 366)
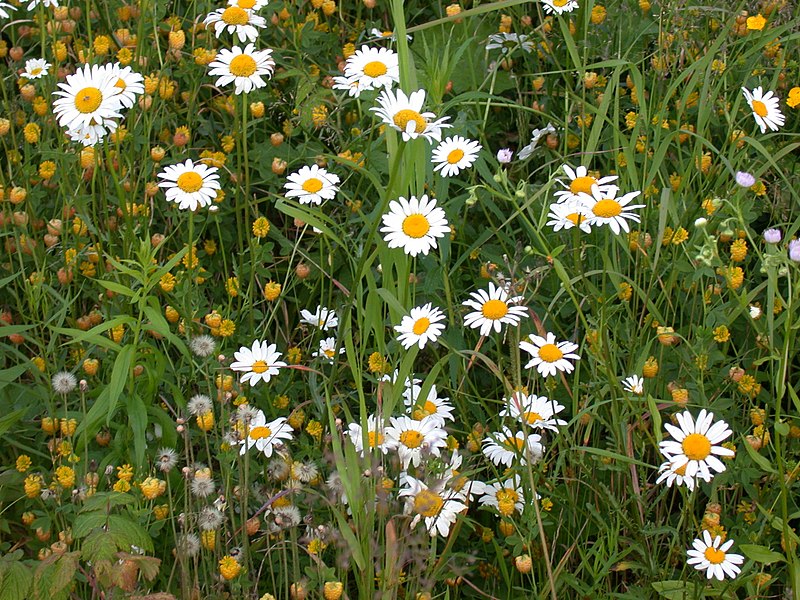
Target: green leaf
(762, 462)
(9, 420)
(676, 590)
(15, 580)
(137, 419)
(98, 546)
(761, 554)
(104, 501)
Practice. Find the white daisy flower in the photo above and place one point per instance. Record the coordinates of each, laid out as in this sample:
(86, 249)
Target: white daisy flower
(91, 135)
(374, 68)
(455, 154)
(311, 185)
(4, 10)
(46, 3)
(262, 435)
(712, 556)
(249, 4)
(242, 22)
(376, 437)
(351, 84)
(633, 384)
(508, 42)
(434, 408)
(327, 349)
(402, 113)
(470, 488)
(550, 356)
(438, 506)
(260, 362)
(765, 109)
(507, 447)
(537, 411)
(129, 82)
(190, 184)
(414, 224)
(421, 326)
(493, 309)
(569, 214)
(694, 444)
(537, 135)
(506, 496)
(324, 318)
(607, 209)
(580, 182)
(35, 67)
(385, 35)
(242, 66)
(559, 6)
(671, 475)
(414, 439)
(88, 98)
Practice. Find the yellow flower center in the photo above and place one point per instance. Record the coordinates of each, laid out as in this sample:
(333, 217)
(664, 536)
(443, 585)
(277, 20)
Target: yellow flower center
(329, 352)
(681, 470)
(550, 353)
(416, 226)
(696, 446)
(607, 208)
(88, 100)
(421, 325)
(428, 503)
(759, 108)
(582, 184)
(242, 65)
(576, 218)
(514, 443)
(260, 366)
(532, 417)
(375, 69)
(506, 497)
(494, 309)
(259, 433)
(560, 3)
(403, 117)
(246, 4)
(312, 185)
(714, 556)
(121, 84)
(36, 70)
(233, 15)
(411, 438)
(190, 182)
(455, 156)
(374, 438)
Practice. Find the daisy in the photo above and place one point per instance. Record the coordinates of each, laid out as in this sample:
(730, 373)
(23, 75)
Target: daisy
(455, 154)
(633, 384)
(420, 327)
(693, 444)
(88, 98)
(537, 135)
(375, 435)
(374, 68)
(242, 22)
(190, 185)
(414, 224)
(350, 84)
(324, 318)
(677, 476)
(35, 67)
(606, 209)
(713, 557)
(249, 4)
(46, 3)
(264, 436)
(386, 35)
(434, 408)
(129, 82)
(327, 349)
(439, 507)
(4, 8)
(507, 42)
(259, 362)
(765, 109)
(580, 182)
(243, 67)
(411, 439)
(506, 496)
(402, 113)
(91, 135)
(453, 479)
(493, 309)
(550, 356)
(569, 214)
(507, 447)
(537, 411)
(559, 6)
(312, 185)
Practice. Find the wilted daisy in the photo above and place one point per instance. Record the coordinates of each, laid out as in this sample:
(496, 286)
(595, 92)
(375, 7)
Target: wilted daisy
(431, 407)
(35, 67)
(263, 435)
(129, 82)
(311, 185)
(580, 182)
(413, 439)
(559, 6)
(403, 113)
(242, 22)
(421, 326)
(438, 506)
(765, 109)
(569, 214)
(327, 349)
(88, 99)
(259, 362)
(537, 411)
(694, 444)
(712, 556)
(190, 184)
(633, 384)
(414, 224)
(606, 209)
(506, 496)
(375, 435)
(507, 42)
(323, 317)
(242, 66)
(537, 135)
(493, 309)
(507, 447)
(677, 475)
(5, 8)
(454, 154)
(63, 382)
(550, 356)
(373, 68)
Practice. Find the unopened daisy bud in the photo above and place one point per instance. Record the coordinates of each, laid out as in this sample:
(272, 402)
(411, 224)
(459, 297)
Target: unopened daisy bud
(667, 337)
(302, 270)
(700, 223)
(523, 563)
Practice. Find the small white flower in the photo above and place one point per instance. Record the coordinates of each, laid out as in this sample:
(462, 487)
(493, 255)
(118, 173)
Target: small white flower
(712, 556)
(414, 439)
(537, 135)
(403, 113)
(324, 318)
(375, 435)
(244, 67)
(508, 447)
(263, 435)
(327, 349)
(550, 356)
(633, 384)
(242, 22)
(311, 185)
(580, 182)
(260, 362)
(508, 42)
(755, 312)
(190, 185)
(765, 109)
(373, 68)
(438, 506)
(414, 225)
(606, 209)
(35, 67)
(493, 309)
(559, 6)
(538, 412)
(694, 444)
(455, 154)
(421, 326)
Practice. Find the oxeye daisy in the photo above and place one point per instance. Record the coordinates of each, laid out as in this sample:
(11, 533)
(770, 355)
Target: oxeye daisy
(550, 356)
(242, 66)
(606, 209)
(375, 435)
(88, 98)
(455, 154)
(351, 84)
(438, 506)
(35, 68)
(414, 439)
(432, 407)
(324, 318)
(677, 475)
(506, 496)
(249, 4)
(46, 3)
(507, 42)
(537, 135)
(537, 411)
(129, 82)
(414, 224)
(569, 214)
(242, 22)
(421, 326)
(559, 6)
(765, 109)
(263, 435)
(5, 8)
(327, 349)
(712, 556)
(507, 447)
(374, 67)
(633, 384)
(493, 309)
(580, 182)
(91, 135)
(311, 185)
(190, 184)
(694, 444)
(402, 113)
(259, 362)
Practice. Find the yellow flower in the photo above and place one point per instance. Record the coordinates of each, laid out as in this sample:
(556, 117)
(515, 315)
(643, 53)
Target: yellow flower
(756, 23)
(161, 512)
(205, 421)
(738, 250)
(721, 334)
(232, 286)
(32, 485)
(122, 486)
(377, 363)
(226, 328)
(152, 488)
(793, 101)
(167, 282)
(229, 568)
(598, 14)
(68, 427)
(272, 290)
(125, 472)
(39, 363)
(281, 402)
(65, 476)
(260, 227)
(680, 236)
(23, 463)
(319, 115)
(32, 132)
(348, 50)
(650, 368)
(314, 429)
(208, 539)
(316, 546)
(47, 169)
(625, 291)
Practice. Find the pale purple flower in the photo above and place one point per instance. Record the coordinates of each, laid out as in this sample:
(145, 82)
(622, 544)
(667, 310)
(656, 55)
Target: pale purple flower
(745, 179)
(504, 155)
(772, 236)
(794, 250)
